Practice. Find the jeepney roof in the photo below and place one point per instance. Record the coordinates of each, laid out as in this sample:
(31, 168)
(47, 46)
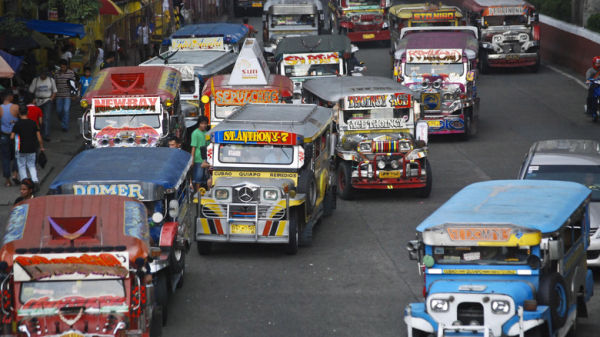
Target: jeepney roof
(163, 82)
(291, 6)
(306, 120)
(313, 44)
(332, 89)
(231, 32)
(113, 221)
(156, 168)
(200, 62)
(541, 205)
(480, 5)
(405, 11)
(283, 84)
(566, 152)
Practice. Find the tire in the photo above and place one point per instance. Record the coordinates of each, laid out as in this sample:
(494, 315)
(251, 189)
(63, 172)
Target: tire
(424, 192)
(293, 219)
(483, 64)
(536, 67)
(156, 322)
(308, 185)
(330, 201)
(343, 31)
(344, 180)
(538, 331)
(204, 247)
(553, 292)
(419, 333)
(468, 126)
(162, 295)
(177, 264)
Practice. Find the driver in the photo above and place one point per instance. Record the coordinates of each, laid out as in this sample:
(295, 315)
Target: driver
(592, 73)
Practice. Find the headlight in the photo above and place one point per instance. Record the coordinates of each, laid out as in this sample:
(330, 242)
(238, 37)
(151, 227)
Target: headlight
(415, 154)
(365, 147)
(523, 37)
(380, 164)
(500, 307)
(439, 305)
(222, 193)
(497, 38)
(270, 194)
(448, 96)
(394, 164)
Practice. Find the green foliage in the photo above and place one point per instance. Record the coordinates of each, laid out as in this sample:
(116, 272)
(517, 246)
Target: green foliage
(13, 28)
(558, 9)
(593, 22)
(80, 11)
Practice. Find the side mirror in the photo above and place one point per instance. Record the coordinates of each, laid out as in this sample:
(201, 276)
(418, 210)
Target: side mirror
(471, 75)
(482, 22)
(555, 250)
(422, 132)
(413, 247)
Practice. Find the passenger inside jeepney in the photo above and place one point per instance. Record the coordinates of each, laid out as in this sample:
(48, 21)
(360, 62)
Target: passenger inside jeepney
(420, 69)
(480, 255)
(292, 20)
(255, 154)
(188, 87)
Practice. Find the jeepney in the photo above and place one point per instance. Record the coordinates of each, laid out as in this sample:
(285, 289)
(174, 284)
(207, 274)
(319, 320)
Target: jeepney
(242, 7)
(380, 144)
(132, 106)
(504, 258)
(421, 15)
(440, 65)
(360, 20)
(76, 266)
(271, 176)
(306, 57)
(158, 177)
(250, 82)
(285, 18)
(509, 32)
(200, 51)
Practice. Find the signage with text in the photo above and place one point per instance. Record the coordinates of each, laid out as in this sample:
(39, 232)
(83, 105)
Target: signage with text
(321, 58)
(255, 137)
(198, 43)
(243, 96)
(501, 11)
(434, 16)
(367, 102)
(433, 56)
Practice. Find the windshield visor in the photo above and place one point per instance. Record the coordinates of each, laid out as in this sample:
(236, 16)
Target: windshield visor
(223, 111)
(54, 291)
(312, 70)
(293, 20)
(588, 175)
(508, 20)
(420, 69)
(480, 255)
(381, 113)
(135, 121)
(256, 154)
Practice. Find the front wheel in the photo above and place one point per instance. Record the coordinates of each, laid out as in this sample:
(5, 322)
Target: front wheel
(156, 322)
(204, 247)
(424, 192)
(553, 292)
(483, 63)
(292, 246)
(344, 180)
(468, 126)
(162, 295)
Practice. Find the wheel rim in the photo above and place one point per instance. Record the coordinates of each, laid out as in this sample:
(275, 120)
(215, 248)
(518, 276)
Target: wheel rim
(561, 307)
(177, 253)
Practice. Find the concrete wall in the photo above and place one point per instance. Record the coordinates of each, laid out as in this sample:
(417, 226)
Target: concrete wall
(568, 45)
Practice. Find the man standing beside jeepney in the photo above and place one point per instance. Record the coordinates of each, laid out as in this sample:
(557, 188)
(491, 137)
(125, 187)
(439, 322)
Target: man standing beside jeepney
(198, 142)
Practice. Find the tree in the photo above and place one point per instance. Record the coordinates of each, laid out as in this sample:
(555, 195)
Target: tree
(80, 11)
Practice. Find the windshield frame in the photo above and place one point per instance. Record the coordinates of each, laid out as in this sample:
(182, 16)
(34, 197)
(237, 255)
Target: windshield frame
(133, 117)
(262, 161)
(273, 25)
(475, 255)
(431, 65)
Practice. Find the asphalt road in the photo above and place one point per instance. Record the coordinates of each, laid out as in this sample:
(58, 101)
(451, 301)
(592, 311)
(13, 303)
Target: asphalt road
(356, 278)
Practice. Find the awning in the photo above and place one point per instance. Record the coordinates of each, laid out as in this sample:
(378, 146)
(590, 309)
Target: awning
(13, 61)
(56, 27)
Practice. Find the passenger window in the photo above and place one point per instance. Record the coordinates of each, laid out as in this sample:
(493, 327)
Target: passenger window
(317, 147)
(567, 238)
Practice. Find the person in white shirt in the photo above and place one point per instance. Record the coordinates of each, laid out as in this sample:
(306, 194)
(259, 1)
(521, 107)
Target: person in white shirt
(67, 55)
(99, 53)
(43, 88)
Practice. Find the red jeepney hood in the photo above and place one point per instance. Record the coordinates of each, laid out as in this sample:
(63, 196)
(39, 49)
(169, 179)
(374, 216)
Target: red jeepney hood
(282, 84)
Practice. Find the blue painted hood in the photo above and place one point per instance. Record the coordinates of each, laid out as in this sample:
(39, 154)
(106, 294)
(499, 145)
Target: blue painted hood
(518, 290)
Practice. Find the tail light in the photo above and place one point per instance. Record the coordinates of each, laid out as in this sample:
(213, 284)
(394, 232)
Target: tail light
(424, 281)
(344, 3)
(536, 32)
(300, 156)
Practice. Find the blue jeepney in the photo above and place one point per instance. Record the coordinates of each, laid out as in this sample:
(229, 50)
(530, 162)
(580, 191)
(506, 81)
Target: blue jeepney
(200, 51)
(504, 258)
(159, 177)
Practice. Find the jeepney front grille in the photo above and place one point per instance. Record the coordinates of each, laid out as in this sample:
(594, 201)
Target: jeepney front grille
(246, 194)
(390, 146)
(209, 212)
(468, 312)
(511, 47)
(431, 100)
(249, 212)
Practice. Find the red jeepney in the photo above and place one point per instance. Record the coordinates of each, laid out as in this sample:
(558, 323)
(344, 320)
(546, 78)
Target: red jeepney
(77, 266)
(509, 32)
(361, 20)
(132, 106)
(250, 82)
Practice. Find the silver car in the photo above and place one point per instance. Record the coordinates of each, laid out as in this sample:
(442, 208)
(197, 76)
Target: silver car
(575, 160)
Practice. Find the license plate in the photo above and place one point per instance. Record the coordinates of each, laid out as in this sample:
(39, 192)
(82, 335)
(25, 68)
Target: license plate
(243, 229)
(368, 36)
(257, 4)
(512, 57)
(389, 174)
(435, 124)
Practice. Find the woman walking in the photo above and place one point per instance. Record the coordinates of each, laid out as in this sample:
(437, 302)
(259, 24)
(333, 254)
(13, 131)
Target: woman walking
(27, 142)
(9, 113)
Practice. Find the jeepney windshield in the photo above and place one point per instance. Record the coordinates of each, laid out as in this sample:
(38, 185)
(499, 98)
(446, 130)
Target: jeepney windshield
(480, 255)
(588, 175)
(419, 69)
(312, 70)
(432, 24)
(57, 290)
(508, 20)
(132, 121)
(363, 3)
(256, 154)
(379, 113)
(188, 87)
(223, 111)
(293, 20)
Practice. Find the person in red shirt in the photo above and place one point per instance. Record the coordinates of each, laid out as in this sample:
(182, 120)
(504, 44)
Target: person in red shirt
(251, 30)
(34, 112)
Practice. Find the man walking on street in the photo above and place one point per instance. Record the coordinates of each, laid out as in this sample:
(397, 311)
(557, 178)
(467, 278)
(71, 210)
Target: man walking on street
(33, 111)
(8, 118)
(43, 89)
(63, 93)
(28, 139)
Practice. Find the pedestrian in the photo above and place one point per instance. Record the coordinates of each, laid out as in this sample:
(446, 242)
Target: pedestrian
(109, 60)
(63, 94)
(251, 30)
(67, 54)
(174, 142)
(8, 119)
(200, 174)
(43, 89)
(27, 136)
(27, 189)
(85, 80)
(143, 35)
(33, 111)
(99, 55)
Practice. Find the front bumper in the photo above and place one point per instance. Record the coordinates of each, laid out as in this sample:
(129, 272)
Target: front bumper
(439, 125)
(409, 175)
(369, 35)
(512, 59)
(593, 253)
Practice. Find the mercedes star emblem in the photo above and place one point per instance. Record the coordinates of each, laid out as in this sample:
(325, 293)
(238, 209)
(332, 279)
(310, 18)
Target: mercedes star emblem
(245, 194)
